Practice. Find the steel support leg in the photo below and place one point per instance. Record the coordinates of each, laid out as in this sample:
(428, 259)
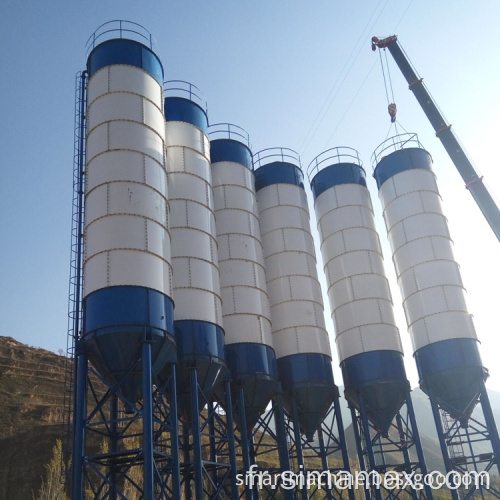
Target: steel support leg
(195, 421)
(147, 421)
(79, 421)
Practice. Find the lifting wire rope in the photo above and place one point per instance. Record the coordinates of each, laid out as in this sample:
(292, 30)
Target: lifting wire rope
(391, 101)
(351, 59)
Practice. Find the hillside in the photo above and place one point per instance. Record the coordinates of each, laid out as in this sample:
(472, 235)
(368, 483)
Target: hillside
(31, 412)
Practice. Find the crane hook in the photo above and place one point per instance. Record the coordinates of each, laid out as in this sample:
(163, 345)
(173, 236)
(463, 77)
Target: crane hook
(392, 111)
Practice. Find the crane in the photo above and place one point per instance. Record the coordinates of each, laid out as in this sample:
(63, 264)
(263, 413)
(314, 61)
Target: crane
(444, 132)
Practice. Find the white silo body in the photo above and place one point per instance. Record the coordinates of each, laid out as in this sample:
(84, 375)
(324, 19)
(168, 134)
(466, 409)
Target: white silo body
(299, 333)
(441, 328)
(367, 338)
(127, 270)
(245, 303)
(196, 288)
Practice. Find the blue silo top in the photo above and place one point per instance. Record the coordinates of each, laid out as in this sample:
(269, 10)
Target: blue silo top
(230, 150)
(334, 175)
(180, 109)
(123, 51)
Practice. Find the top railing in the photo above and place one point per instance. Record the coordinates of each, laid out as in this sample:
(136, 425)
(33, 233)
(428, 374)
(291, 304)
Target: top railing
(181, 88)
(229, 131)
(119, 28)
(340, 154)
(269, 155)
(395, 143)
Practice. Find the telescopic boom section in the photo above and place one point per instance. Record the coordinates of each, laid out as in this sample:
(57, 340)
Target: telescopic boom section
(473, 182)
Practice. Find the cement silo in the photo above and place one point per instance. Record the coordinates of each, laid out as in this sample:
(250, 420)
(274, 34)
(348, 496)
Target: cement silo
(196, 289)
(299, 334)
(443, 335)
(245, 304)
(367, 338)
(127, 269)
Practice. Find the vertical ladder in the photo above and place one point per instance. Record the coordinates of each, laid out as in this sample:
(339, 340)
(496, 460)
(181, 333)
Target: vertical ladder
(76, 261)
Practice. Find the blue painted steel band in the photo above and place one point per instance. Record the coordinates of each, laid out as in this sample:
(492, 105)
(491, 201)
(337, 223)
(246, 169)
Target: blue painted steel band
(198, 338)
(302, 369)
(122, 51)
(230, 150)
(249, 359)
(278, 173)
(339, 173)
(399, 161)
(446, 355)
(113, 308)
(371, 367)
(178, 109)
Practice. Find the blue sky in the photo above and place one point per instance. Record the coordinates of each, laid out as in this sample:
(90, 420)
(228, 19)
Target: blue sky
(293, 74)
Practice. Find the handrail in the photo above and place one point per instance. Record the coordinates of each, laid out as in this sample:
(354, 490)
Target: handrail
(182, 88)
(133, 31)
(337, 154)
(277, 154)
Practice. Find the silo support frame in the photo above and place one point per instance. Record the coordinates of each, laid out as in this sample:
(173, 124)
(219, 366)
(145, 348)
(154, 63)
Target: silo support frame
(392, 453)
(208, 468)
(138, 452)
(459, 444)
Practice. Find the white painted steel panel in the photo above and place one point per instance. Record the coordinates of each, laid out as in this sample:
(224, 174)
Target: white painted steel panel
(132, 79)
(358, 287)
(126, 166)
(294, 288)
(297, 313)
(137, 137)
(187, 161)
(239, 246)
(247, 328)
(198, 305)
(188, 136)
(352, 263)
(243, 300)
(284, 264)
(417, 252)
(432, 301)
(279, 218)
(113, 232)
(235, 197)
(281, 195)
(363, 312)
(350, 240)
(122, 135)
(127, 267)
(430, 274)
(443, 326)
(236, 272)
(237, 222)
(341, 196)
(287, 240)
(367, 338)
(344, 218)
(188, 242)
(124, 106)
(95, 272)
(126, 198)
(418, 226)
(193, 215)
(301, 339)
(227, 173)
(190, 187)
(120, 78)
(404, 206)
(405, 182)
